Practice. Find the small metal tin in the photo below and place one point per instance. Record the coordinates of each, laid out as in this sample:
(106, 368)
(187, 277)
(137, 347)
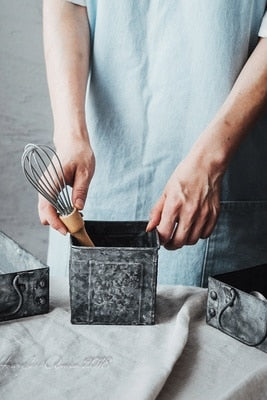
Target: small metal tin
(24, 282)
(115, 281)
(237, 305)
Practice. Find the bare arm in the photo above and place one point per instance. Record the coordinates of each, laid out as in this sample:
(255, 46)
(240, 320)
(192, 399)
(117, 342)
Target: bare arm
(191, 196)
(66, 48)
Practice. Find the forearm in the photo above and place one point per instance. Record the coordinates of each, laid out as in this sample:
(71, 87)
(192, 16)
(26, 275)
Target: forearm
(66, 48)
(245, 102)
(189, 205)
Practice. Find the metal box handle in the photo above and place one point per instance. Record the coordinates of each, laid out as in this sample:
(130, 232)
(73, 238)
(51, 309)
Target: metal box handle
(20, 298)
(236, 315)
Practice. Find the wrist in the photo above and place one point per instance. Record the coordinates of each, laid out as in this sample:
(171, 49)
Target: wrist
(73, 134)
(218, 143)
(211, 152)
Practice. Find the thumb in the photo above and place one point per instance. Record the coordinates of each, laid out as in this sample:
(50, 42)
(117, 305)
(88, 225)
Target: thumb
(155, 214)
(80, 188)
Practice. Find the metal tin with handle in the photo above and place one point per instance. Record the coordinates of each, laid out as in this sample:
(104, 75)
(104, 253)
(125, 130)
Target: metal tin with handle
(237, 305)
(24, 282)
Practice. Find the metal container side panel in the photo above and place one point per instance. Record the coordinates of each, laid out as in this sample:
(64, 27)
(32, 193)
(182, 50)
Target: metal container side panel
(113, 285)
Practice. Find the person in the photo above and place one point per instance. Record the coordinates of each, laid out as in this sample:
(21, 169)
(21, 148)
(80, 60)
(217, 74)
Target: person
(173, 95)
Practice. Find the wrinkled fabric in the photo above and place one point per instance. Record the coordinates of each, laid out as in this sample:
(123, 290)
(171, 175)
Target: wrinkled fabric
(159, 73)
(181, 357)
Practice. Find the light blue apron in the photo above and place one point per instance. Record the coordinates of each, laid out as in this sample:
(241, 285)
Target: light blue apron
(159, 72)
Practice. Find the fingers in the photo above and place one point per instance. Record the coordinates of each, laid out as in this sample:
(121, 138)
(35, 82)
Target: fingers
(190, 228)
(180, 231)
(155, 214)
(80, 187)
(184, 224)
(48, 216)
(208, 228)
(169, 218)
(190, 206)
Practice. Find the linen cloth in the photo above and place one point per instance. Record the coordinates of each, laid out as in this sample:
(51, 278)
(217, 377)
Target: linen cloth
(159, 72)
(45, 357)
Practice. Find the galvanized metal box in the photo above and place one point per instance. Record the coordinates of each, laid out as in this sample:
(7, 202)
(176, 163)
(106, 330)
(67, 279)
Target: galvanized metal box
(237, 305)
(115, 281)
(24, 282)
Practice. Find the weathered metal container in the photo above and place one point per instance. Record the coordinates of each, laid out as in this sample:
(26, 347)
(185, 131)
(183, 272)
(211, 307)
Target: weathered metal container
(24, 282)
(115, 281)
(237, 305)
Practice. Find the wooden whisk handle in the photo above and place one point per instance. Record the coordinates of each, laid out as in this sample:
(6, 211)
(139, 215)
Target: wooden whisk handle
(75, 225)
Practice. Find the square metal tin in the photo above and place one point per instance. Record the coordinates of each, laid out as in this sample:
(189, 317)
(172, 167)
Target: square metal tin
(24, 282)
(115, 281)
(237, 305)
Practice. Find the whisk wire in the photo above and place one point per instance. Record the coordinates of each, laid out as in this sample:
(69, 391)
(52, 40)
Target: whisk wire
(43, 169)
(44, 175)
(38, 187)
(44, 182)
(63, 188)
(41, 178)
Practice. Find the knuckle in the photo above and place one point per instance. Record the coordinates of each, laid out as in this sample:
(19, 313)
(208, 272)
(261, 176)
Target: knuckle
(85, 173)
(81, 191)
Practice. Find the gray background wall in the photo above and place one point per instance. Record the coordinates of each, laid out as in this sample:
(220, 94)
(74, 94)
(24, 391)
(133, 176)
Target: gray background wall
(25, 117)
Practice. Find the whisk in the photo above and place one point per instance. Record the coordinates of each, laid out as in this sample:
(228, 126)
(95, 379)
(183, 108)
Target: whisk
(42, 167)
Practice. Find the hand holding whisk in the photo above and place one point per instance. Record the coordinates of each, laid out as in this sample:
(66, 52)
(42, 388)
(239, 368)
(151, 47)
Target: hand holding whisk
(43, 169)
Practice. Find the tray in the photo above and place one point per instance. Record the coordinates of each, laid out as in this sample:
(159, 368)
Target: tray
(24, 282)
(237, 305)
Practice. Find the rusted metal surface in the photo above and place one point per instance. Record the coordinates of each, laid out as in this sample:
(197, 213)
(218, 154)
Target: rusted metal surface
(237, 305)
(115, 281)
(24, 282)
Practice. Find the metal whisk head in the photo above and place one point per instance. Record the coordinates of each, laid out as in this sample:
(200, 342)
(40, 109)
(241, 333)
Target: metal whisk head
(43, 169)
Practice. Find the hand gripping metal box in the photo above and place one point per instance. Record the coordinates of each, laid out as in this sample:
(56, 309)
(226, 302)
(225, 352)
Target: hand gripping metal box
(115, 281)
(237, 305)
(24, 282)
